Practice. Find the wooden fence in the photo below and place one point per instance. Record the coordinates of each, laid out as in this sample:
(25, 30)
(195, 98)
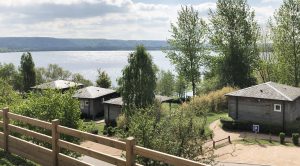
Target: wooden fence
(53, 157)
(214, 142)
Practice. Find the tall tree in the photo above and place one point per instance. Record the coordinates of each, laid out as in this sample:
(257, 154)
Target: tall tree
(286, 41)
(103, 80)
(78, 78)
(28, 71)
(234, 36)
(187, 45)
(138, 81)
(165, 83)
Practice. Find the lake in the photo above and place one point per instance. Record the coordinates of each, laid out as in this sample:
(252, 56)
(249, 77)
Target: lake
(87, 62)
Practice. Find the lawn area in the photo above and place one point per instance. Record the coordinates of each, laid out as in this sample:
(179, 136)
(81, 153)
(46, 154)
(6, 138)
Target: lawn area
(91, 127)
(12, 160)
(211, 117)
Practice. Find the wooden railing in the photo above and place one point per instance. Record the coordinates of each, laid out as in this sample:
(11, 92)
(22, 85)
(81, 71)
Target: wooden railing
(214, 142)
(48, 157)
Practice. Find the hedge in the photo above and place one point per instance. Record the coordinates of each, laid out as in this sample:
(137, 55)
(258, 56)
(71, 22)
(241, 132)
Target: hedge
(229, 124)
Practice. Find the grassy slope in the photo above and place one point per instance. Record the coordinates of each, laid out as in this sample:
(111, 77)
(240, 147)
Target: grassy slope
(211, 117)
(10, 160)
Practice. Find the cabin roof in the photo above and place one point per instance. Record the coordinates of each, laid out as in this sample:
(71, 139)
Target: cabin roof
(119, 100)
(92, 92)
(58, 84)
(269, 90)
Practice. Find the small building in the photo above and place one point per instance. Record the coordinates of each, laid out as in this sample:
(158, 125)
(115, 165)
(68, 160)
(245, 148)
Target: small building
(59, 85)
(113, 107)
(268, 103)
(92, 98)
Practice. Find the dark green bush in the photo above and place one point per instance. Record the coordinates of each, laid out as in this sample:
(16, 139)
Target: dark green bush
(282, 137)
(229, 124)
(295, 137)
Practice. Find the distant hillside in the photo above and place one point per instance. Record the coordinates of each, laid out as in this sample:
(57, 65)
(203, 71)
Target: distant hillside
(8, 44)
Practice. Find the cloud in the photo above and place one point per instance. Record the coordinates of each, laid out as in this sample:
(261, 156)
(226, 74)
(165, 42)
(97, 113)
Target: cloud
(121, 19)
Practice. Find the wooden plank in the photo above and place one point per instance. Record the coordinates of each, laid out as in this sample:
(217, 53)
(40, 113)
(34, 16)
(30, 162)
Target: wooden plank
(30, 151)
(30, 133)
(91, 137)
(64, 160)
(92, 153)
(55, 137)
(32, 121)
(130, 156)
(166, 158)
(5, 129)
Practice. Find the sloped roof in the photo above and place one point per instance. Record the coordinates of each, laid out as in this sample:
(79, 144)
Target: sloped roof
(58, 84)
(115, 101)
(119, 100)
(269, 90)
(92, 92)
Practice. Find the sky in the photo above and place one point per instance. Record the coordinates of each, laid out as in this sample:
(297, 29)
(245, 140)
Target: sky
(109, 19)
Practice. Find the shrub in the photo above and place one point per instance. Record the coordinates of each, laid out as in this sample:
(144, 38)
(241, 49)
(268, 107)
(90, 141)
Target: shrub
(90, 127)
(282, 137)
(295, 137)
(121, 121)
(214, 101)
(110, 131)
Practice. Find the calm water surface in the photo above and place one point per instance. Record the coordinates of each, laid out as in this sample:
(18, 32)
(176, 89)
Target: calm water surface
(87, 62)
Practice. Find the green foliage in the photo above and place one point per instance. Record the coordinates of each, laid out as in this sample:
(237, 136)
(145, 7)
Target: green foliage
(179, 132)
(78, 78)
(214, 101)
(51, 73)
(49, 105)
(27, 71)
(138, 81)
(11, 75)
(234, 37)
(8, 159)
(286, 41)
(180, 86)
(187, 44)
(282, 137)
(8, 96)
(103, 80)
(295, 138)
(165, 83)
(90, 127)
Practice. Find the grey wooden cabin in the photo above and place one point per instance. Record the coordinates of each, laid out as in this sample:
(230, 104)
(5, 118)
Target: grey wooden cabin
(92, 98)
(267, 103)
(113, 107)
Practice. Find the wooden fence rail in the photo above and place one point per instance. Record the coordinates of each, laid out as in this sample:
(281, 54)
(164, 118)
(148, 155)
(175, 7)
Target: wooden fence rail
(214, 142)
(53, 157)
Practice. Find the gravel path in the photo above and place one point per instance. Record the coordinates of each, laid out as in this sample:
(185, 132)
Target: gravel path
(240, 154)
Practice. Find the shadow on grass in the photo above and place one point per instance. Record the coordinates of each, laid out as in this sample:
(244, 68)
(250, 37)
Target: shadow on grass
(8, 159)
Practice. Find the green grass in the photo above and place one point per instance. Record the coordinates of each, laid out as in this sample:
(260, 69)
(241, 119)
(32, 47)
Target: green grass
(211, 117)
(12, 160)
(89, 126)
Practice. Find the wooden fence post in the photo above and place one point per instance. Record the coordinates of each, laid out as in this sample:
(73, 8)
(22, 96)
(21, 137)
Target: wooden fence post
(130, 156)
(229, 139)
(214, 144)
(55, 137)
(5, 129)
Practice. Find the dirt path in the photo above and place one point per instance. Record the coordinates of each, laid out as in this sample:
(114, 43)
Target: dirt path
(278, 155)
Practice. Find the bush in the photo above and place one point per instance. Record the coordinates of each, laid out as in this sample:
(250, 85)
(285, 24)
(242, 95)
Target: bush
(282, 137)
(295, 137)
(230, 124)
(214, 101)
(90, 127)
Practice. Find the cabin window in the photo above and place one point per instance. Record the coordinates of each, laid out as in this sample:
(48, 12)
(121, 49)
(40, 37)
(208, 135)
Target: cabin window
(87, 102)
(277, 107)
